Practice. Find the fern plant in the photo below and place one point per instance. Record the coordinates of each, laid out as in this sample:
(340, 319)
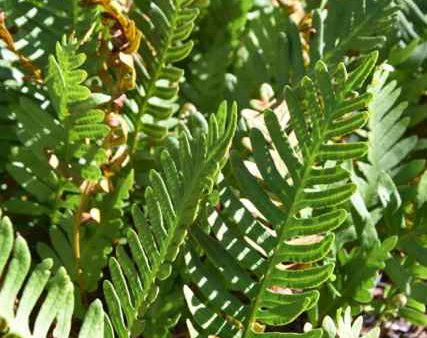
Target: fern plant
(166, 27)
(155, 213)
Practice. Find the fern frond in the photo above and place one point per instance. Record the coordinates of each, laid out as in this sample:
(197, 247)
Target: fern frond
(388, 147)
(73, 144)
(173, 200)
(263, 273)
(56, 159)
(32, 296)
(385, 186)
(357, 27)
(272, 52)
(70, 96)
(40, 24)
(166, 27)
(65, 77)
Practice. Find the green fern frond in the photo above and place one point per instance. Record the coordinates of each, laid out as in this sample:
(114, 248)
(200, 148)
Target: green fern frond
(73, 145)
(357, 27)
(385, 182)
(166, 27)
(45, 304)
(264, 272)
(54, 159)
(70, 96)
(40, 24)
(65, 77)
(388, 147)
(173, 198)
(272, 52)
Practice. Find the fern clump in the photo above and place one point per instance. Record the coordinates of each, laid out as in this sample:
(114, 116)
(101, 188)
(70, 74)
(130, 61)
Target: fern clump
(212, 168)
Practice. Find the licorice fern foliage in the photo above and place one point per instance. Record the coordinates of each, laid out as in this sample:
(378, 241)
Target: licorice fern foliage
(148, 199)
(271, 266)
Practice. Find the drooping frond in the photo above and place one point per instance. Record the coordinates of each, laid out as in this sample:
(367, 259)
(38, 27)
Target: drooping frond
(173, 198)
(260, 273)
(166, 27)
(33, 304)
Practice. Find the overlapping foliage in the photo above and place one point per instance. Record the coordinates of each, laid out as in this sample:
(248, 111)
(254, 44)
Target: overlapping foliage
(156, 210)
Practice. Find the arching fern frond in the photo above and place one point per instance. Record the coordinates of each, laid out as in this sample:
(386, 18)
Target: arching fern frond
(166, 26)
(33, 304)
(263, 273)
(172, 200)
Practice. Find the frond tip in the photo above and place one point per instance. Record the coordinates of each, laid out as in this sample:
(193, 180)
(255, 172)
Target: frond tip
(65, 78)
